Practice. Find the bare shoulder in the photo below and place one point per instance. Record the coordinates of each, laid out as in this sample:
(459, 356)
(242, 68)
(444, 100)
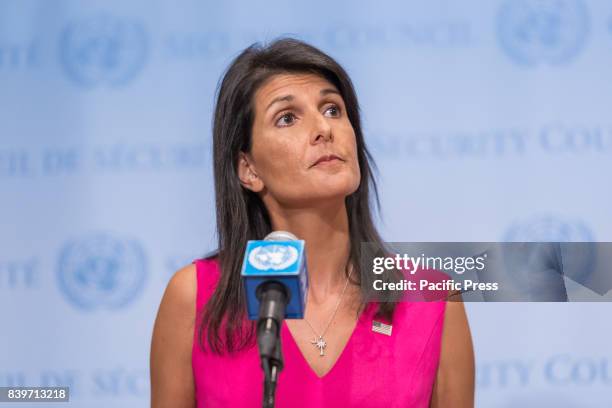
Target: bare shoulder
(454, 385)
(182, 288)
(172, 342)
(178, 303)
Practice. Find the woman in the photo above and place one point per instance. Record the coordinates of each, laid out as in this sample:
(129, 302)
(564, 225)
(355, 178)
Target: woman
(289, 155)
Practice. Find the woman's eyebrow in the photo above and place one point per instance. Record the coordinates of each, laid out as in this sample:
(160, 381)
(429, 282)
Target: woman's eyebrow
(328, 91)
(289, 98)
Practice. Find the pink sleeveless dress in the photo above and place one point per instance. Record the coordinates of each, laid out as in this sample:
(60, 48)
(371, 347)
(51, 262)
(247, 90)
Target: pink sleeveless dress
(374, 370)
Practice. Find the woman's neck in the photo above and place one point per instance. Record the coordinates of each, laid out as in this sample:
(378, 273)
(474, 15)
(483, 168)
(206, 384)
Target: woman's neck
(326, 233)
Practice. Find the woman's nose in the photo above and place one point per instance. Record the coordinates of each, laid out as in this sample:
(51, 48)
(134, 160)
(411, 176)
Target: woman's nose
(322, 131)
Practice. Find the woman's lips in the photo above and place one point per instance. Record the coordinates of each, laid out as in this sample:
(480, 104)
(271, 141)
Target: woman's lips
(330, 158)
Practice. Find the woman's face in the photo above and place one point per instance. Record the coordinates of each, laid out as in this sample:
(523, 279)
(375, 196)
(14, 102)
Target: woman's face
(303, 144)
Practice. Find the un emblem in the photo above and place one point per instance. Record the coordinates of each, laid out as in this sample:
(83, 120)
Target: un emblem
(103, 50)
(579, 260)
(100, 271)
(548, 229)
(534, 31)
(276, 257)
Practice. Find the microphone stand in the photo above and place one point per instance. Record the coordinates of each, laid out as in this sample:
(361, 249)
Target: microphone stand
(272, 367)
(273, 299)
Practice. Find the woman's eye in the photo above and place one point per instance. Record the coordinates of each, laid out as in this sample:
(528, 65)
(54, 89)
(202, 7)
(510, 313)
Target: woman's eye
(335, 111)
(285, 120)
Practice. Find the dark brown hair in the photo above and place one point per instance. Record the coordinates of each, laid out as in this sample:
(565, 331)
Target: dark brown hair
(241, 214)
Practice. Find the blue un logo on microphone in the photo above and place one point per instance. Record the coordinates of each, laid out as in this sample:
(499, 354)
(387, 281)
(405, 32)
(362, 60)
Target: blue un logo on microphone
(100, 271)
(273, 257)
(103, 50)
(542, 31)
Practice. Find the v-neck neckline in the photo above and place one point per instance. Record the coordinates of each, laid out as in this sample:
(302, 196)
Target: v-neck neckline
(344, 351)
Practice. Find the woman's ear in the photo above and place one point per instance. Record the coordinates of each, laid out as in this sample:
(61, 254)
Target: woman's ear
(248, 175)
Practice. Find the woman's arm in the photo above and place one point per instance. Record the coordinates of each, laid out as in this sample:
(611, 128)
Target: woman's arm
(454, 386)
(171, 371)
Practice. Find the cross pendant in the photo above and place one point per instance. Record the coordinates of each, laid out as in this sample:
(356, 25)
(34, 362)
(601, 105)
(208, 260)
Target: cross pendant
(320, 343)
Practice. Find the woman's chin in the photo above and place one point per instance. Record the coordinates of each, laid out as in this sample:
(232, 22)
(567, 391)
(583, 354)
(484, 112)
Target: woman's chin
(332, 191)
(337, 184)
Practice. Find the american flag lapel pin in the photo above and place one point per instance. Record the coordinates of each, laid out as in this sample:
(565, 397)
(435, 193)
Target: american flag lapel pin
(382, 328)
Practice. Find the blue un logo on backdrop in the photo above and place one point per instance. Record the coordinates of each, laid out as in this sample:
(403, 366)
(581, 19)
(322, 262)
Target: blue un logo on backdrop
(542, 31)
(103, 50)
(100, 271)
(548, 228)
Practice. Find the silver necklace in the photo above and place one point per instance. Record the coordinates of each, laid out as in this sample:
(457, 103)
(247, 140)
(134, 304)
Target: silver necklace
(319, 342)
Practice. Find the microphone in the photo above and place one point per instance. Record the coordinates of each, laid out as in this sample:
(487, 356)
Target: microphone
(279, 258)
(276, 284)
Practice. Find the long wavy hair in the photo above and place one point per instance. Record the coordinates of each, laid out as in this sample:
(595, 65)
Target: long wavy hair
(241, 214)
